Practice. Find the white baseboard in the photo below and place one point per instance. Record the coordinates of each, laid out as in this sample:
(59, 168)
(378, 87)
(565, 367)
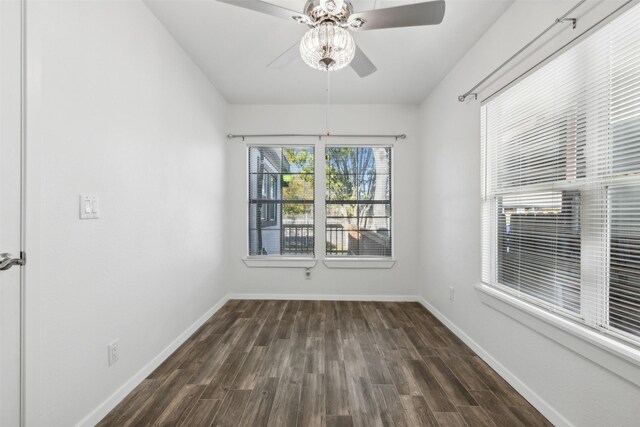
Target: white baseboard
(105, 407)
(322, 297)
(538, 402)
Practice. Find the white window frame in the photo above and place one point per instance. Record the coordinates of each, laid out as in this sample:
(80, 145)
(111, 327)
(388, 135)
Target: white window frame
(271, 261)
(343, 262)
(347, 261)
(610, 349)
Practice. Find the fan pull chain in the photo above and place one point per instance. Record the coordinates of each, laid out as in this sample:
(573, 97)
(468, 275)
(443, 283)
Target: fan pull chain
(326, 118)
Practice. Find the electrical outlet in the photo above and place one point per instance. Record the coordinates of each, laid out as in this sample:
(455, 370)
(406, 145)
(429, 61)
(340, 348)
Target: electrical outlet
(114, 352)
(452, 293)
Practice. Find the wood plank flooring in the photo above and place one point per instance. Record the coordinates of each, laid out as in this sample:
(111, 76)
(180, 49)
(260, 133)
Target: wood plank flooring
(323, 363)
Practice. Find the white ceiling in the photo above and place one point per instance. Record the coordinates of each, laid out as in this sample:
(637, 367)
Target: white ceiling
(232, 46)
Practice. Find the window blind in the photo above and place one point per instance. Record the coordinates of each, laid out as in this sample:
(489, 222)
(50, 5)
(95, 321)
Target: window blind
(561, 183)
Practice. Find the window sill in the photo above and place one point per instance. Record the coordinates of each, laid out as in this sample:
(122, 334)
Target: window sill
(359, 263)
(615, 356)
(279, 262)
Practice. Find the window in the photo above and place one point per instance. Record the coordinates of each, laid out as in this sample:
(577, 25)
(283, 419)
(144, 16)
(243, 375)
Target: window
(357, 198)
(561, 183)
(281, 201)
(358, 201)
(269, 192)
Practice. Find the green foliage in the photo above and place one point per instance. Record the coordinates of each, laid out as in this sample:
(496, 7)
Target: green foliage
(297, 187)
(349, 170)
(341, 173)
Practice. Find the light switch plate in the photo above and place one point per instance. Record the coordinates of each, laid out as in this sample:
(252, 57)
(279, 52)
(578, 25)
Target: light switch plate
(114, 352)
(89, 207)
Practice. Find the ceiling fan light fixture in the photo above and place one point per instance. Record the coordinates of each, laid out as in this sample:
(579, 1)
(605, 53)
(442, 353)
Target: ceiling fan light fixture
(332, 7)
(327, 47)
(302, 19)
(357, 23)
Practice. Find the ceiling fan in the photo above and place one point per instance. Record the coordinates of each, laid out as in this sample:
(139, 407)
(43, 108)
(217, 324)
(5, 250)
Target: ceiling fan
(328, 45)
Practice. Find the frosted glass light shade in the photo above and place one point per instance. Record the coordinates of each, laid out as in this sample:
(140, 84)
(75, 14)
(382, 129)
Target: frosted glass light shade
(327, 47)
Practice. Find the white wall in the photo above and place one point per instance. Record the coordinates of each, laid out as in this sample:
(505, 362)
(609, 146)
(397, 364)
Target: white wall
(118, 110)
(401, 280)
(568, 387)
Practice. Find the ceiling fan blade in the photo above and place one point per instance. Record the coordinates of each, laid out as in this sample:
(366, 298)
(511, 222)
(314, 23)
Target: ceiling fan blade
(361, 64)
(412, 15)
(287, 57)
(269, 9)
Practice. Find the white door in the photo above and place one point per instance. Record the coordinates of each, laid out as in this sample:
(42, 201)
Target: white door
(10, 211)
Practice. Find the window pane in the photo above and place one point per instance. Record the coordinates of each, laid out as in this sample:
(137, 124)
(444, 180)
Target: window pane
(297, 187)
(375, 210)
(299, 160)
(341, 160)
(262, 216)
(297, 239)
(374, 161)
(340, 211)
(293, 213)
(280, 178)
(358, 243)
(379, 225)
(264, 159)
(624, 268)
(342, 187)
(539, 246)
(625, 97)
(337, 239)
(543, 148)
(264, 186)
(361, 175)
(265, 241)
(375, 187)
(344, 223)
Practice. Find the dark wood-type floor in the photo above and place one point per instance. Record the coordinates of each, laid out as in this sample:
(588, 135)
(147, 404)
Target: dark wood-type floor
(324, 363)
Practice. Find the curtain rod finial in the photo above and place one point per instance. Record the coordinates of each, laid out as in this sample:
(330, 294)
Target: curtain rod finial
(463, 98)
